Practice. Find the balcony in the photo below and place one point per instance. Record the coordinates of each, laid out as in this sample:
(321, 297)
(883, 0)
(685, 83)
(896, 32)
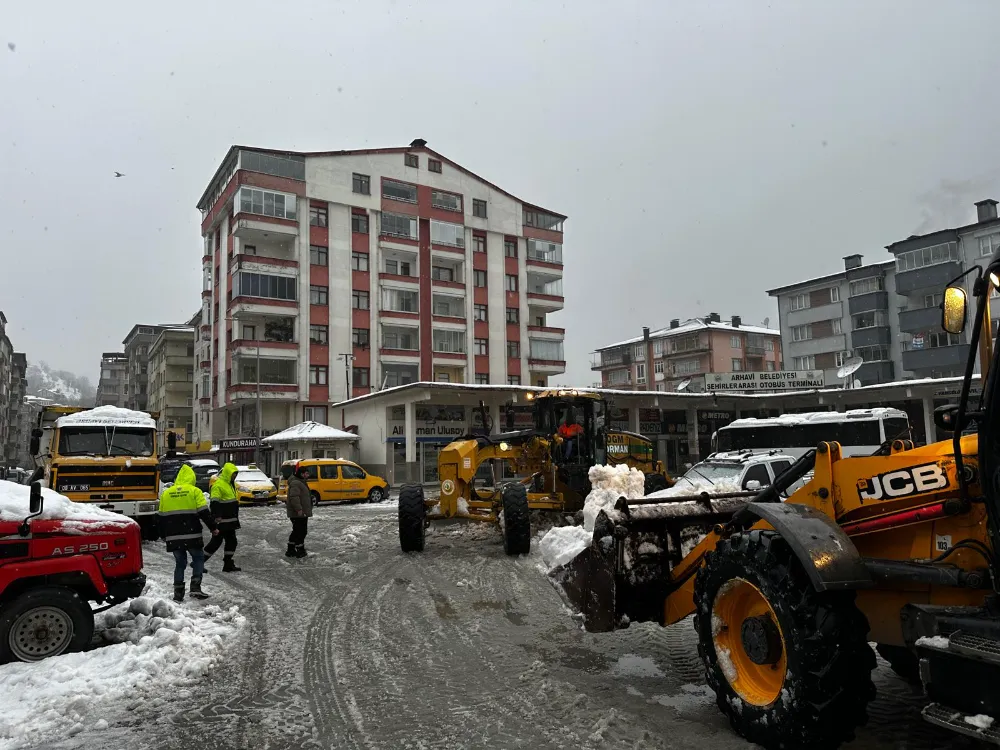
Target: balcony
(920, 320)
(755, 351)
(609, 359)
(815, 314)
(871, 373)
(870, 301)
(261, 263)
(873, 336)
(268, 392)
(277, 349)
(547, 366)
(546, 302)
(244, 306)
(548, 332)
(938, 359)
(836, 343)
(263, 228)
(934, 277)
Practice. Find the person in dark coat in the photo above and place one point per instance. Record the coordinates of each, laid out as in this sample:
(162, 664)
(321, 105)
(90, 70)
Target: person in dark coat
(182, 512)
(225, 507)
(299, 507)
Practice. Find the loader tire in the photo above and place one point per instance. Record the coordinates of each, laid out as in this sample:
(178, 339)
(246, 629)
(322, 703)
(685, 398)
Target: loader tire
(903, 661)
(412, 518)
(790, 666)
(516, 520)
(655, 483)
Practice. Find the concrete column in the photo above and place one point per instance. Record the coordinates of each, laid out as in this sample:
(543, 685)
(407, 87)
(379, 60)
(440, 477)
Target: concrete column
(496, 417)
(410, 430)
(633, 418)
(930, 432)
(692, 430)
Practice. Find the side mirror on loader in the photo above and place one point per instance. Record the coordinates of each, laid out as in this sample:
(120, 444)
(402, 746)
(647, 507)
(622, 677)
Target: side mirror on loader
(954, 309)
(35, 443)
(946, 418)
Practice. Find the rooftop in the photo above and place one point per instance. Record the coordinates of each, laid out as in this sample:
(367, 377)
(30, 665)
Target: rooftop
(830, 277)
(694, 324)
(310, 431)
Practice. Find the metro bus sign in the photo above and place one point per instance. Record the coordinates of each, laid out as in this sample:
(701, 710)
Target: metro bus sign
(789, 380)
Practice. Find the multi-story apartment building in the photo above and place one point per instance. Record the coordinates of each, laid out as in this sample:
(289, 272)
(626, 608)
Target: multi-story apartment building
(137, 344)
(686, 351)
(171, 382)
(327, 274)
(853, 313)
(6, 366)
(17, 438)
(112, 382)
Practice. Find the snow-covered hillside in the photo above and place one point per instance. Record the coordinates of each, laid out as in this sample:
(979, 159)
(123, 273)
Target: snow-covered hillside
(59, 385)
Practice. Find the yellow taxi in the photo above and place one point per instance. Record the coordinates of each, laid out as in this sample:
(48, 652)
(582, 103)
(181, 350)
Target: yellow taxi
(253, 487)
(337, 480)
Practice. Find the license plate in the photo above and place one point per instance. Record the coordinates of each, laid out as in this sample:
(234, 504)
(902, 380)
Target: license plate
(75, 487)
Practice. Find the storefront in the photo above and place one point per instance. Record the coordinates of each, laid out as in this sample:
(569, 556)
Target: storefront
(239, 450)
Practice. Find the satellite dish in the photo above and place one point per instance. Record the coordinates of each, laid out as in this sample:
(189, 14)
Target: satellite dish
(850, 367)
(766, 322)
(856, 383)
(683, 385)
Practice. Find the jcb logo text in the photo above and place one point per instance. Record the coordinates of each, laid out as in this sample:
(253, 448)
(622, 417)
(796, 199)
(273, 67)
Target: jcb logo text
(911, 481)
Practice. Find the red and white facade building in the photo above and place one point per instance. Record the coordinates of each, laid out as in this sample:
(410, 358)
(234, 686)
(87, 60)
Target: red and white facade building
(409, 264)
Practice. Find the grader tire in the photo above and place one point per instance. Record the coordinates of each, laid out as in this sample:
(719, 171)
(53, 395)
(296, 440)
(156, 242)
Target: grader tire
(903, 661)
(790, 667)
(412, 517)
(516, 520)
(655, 483)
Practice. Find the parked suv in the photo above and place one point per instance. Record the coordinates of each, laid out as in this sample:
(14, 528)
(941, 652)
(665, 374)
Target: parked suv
(748, 470)
(337, 480)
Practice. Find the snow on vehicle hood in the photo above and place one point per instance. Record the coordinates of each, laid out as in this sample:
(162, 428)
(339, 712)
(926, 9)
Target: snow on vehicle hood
(107, 416)
(695, 486)
(15, 499)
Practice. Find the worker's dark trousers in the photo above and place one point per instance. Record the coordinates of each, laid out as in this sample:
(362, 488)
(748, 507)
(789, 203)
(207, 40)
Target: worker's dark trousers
(299, 528)
(225, 535)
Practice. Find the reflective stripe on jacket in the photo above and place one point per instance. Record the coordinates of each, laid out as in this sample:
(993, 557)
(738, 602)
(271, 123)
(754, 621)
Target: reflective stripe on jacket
(182, 511)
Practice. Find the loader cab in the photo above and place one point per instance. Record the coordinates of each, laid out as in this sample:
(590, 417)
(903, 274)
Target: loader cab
(577, 421)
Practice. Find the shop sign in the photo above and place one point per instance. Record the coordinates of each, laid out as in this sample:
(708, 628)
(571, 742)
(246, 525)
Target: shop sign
(765, 381)
(239, 444)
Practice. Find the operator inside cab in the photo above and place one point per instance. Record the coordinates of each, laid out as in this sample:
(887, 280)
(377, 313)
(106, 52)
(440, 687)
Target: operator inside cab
(570, 430)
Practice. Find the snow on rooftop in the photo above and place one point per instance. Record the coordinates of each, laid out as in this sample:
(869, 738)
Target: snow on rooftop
(107, 416)
(695, 324)
(310, 431)
(15, 498)
(817, 417)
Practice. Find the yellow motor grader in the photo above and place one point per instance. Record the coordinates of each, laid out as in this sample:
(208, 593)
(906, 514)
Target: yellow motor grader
(898, 548)
(553, 457)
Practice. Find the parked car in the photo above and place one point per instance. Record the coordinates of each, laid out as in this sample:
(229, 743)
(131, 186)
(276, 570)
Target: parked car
(204, 470)
(253, 487)
(338, 480)
(743, 470)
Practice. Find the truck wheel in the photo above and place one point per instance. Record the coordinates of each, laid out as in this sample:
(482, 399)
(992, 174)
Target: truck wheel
(412, 516)
(655, 483)
(790, 667)
(516, 520)
(903, 661)
(43, 622)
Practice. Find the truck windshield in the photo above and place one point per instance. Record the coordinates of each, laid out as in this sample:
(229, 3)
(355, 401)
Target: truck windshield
(105, 441)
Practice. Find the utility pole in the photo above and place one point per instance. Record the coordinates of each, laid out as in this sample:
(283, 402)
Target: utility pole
(260, 415)
(348, 359)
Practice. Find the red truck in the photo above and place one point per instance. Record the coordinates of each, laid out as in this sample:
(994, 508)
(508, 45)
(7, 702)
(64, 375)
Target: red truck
(50, 573)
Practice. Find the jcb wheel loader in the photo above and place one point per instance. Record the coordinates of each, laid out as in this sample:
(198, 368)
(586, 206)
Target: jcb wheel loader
(553, 458)
(897, 548)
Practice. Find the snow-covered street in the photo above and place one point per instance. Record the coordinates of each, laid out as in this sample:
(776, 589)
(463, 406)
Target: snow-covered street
(361, 646)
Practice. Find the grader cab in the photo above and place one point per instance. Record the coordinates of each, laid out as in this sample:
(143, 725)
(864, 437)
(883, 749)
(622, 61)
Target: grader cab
(551, 459)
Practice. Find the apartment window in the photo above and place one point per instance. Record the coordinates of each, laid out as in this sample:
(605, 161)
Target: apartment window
(513, 315)
(360, 337)
(510, 248)
(801, 333)
(400, 338)
(837, 325)
(318, 295)
(359, 300)
(397, 225)
(480, 312)
(272, 371)
(481, 346)
(479, 279)
(361, 184)
(839, 358)
(359, 261)
(927, 256)
(443, 233)
(769, 366)
(870, 319)
(319, 334)
(737, 365)
(478, 244)
(804, 363)
(866, 286)
(513, 349)
(448, 341)
(513, 380)
(479, 208)
(447, 201)
(989, 244)
(872, 353)
(542, 220)
(267, 203)
(318, 255)
(639, 352)
(434, 165)
(640, 373)
(510, 282)
(317, 374)
(658, 367)
(397, 267)
(249, 250)
(547, 252)
(618, 377)
(399, 191)
(412, 160)
(359, 223)
(735, 342)
(798, 302)
(249, 332)
(482, 378)
(317, 216)
(360, 377)
(940, 338)
(314, 414)
(657, 345)
(451, 307)
(264, 285)
(834, 294)
(933, 300)
(769, 345)
(442, 273)
(399, 300)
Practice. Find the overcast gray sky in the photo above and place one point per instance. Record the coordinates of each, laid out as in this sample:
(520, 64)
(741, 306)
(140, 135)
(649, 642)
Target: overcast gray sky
(704, 152)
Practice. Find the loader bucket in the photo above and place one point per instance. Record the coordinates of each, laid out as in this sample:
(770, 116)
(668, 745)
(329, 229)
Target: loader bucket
(588, 583)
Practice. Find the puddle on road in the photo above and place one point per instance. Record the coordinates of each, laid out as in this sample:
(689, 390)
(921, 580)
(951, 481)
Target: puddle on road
(505, 606)
(444, 609)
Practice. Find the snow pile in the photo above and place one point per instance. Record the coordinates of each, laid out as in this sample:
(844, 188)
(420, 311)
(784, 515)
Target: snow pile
(562, 543)
(982, 722)
(690, 486)
(156, 647)
(15, 498)
(107, 416)
(310, 431)
(935, 641)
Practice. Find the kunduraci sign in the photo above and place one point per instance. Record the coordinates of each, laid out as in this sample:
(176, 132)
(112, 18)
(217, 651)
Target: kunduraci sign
(792, 380)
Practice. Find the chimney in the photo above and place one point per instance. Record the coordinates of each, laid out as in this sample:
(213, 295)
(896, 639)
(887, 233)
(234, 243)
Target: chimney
(645, 333)
(852, 261)
(986, 210)
(418, 143)
(736, 321)
(714, 318)
(675, 323)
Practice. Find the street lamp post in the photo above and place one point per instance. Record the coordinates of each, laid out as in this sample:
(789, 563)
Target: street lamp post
(348, 359)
